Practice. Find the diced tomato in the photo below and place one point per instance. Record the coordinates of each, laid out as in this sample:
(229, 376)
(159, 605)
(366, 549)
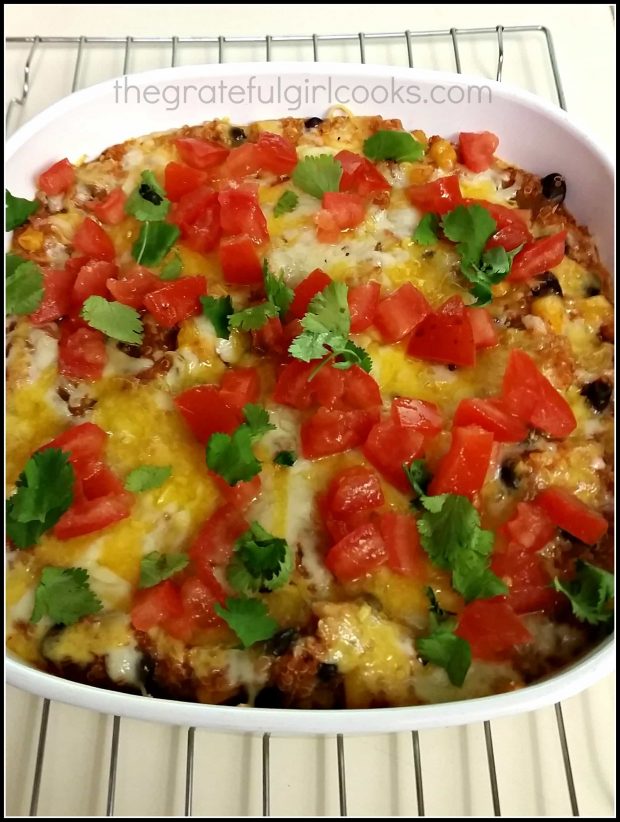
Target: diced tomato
(57, 178)
(240, 213)
(339, 527)
(528, 582)
(326, 387)
(530, 396)
(292, 386)
(332, 432)
(239, 260)
(74, 264)
(92, 280)
(201, 154)
(504, 216)
(355, 489)
(270, 338)
(359, 553)
(530, 528)
(492, 415)
(276, 154)
(464, 468)
(340, 211)
(180, 180)
(422, 416)
(240, 386)
(82, 354)
(538, 256)
(389, 447)
(152, 606)
(89, 516)
(100, 481)
(360, 176)
(445, 336)
(476, 149)
(133, 286)
(401, 538)
(363, 301)
(207, 410)
(439, 196)
(510, 236)
(361, 390)
(176, 301)
(241, 162)
(57, 289)
(197, 214)
(570, 514)
(90, 239)
(198, 598)
(215, 541)
(402, 311)
(483, 328)
(492, 629)
(110, 210)
(83, 443)
(308, 288)
(241, 495)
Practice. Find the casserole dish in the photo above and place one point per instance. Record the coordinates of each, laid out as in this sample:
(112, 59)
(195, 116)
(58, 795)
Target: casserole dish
(101, 120)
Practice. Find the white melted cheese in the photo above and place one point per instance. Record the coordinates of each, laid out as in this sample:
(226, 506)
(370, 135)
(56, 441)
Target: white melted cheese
(301, 531)
(119, 364)
(22, 610)
(44, 353)
(123, 664)
(170, 531)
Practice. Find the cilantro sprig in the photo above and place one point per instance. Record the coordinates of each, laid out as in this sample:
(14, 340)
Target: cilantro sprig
(24, 285)
(121, 322)
(148, 201)
(443, 647)
(326, 328)
(155, 240)
(172, 269)
(231, 455)
(287, 202)
(147, 477)
(279, 298)
(590, 592)
(393, 145)
(419, 477)
(44, 493)
(261, 562)
(218, 310)
(64, 596)
(155, 567)
(426, 232)
(248, 618)
(318, 174)
(18, 210)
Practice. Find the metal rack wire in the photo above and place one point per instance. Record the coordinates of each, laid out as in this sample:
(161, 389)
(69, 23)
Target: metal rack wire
(201, 47)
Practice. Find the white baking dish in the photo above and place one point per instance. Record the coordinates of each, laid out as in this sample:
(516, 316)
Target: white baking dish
(533, 135)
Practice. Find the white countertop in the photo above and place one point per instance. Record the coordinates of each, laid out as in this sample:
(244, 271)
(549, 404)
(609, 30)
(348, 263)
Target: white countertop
(380, 778)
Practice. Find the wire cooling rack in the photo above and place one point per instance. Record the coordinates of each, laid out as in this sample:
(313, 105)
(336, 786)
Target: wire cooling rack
(414, 776)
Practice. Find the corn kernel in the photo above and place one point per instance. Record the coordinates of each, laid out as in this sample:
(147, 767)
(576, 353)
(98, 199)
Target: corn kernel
(31, 240)
(596, 311)
(551, 310)
(419, 174)
(442, 153)
(420, 136)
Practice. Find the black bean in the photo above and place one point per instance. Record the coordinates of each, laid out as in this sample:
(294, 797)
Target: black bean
(598, 394)
(281, 642)
(269, 698)
(237, 135)
(327, 671)
(508, 473)
(547, 284)
(593, 288)
(149, 194)
(554, 187)
(312, 122)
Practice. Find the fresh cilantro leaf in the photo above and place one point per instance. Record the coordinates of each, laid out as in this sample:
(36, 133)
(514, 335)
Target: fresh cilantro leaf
(44, 493)
(253, 318)
(419, 478)
(308, 346)
(451, 535)
(121, 322)
(591, 593)
(426, 231)
(156, 567)
(154, 242)
(494, 266)
(278, 293)
(317, 174)
(285, 458)
(24, 286)
(287, 201)
(147, 477)
(261, 562)
(12, 263)
(148, 201)
(444, 648)
(64, 595)
(18, 210)
(172, 269)
(470, 227)
(257, 418)
(328, 311)
(393, 145)
(218, 310)
(435, 608)
(248, 618)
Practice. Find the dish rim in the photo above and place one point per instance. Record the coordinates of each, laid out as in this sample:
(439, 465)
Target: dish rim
(598, 662)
